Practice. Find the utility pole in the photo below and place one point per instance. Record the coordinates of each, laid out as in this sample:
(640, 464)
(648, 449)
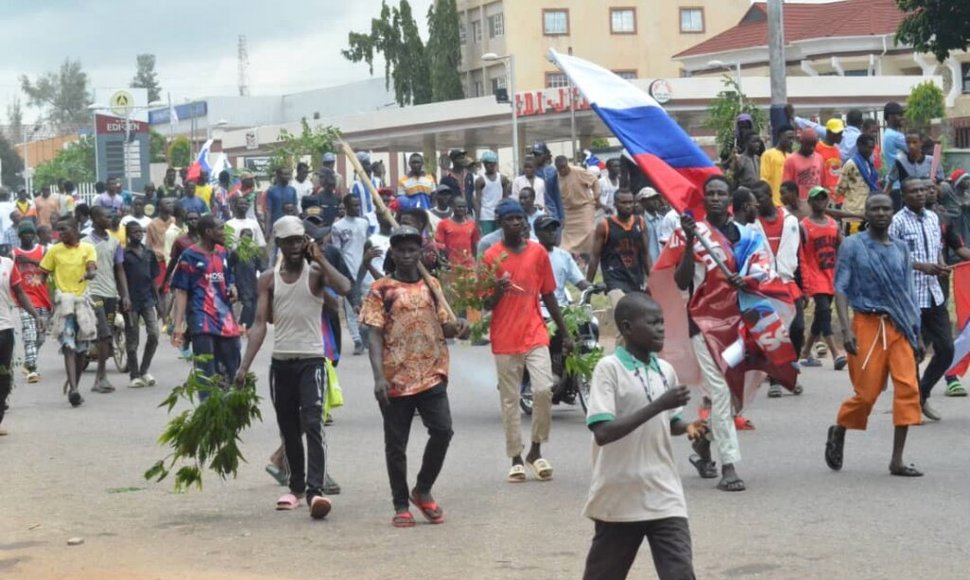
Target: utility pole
(572, 115)
(776, 62)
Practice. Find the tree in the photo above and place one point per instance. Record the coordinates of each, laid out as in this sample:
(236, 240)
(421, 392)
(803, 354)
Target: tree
(15, 122)
(62, 94)
(75, 163)
(936, 26)
(13, 165)
(180, 152)
(444, 51)
(925, 103)
(395, 35)
(156, 142)
(723, 112)
(146, 77)
(311, 141)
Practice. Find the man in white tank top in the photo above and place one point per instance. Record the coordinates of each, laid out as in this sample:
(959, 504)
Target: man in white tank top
(491, 187)
(291, 298)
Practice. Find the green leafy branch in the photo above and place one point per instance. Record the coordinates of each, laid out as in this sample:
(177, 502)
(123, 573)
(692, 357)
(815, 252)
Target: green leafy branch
(470, 287)
(577, 363)
(245, 248)
(205, 436)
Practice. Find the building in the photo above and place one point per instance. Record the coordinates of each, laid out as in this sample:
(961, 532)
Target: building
(635, 38)
(852, 38)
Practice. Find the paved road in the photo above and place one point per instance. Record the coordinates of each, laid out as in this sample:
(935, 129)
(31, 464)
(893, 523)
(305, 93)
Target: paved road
(77, 473)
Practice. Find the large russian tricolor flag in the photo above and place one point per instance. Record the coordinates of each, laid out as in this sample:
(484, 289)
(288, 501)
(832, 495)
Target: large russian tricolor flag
(961, 294)
(669, 158)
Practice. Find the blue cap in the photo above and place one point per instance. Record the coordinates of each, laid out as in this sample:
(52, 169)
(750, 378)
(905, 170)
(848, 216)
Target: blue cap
(489, 157)
(507, 207)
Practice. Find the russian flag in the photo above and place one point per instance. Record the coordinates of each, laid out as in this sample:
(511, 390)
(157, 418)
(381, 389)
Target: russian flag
(669, 158)
(961, 294)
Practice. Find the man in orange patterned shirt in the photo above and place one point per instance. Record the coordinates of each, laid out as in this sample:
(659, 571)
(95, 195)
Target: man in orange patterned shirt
(409, 358)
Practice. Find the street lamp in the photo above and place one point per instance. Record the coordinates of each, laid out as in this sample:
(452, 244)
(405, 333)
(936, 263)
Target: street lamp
(509, 61)
(736, 69)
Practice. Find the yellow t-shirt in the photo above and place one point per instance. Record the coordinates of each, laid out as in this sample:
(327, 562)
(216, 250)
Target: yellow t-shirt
(68, 266)
(204, 192)
(772, 169)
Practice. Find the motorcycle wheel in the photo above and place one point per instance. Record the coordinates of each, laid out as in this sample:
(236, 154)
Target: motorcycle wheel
(525, 399)
(582, 387)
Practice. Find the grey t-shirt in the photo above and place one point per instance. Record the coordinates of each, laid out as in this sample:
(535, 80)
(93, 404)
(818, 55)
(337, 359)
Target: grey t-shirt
(634, 478)
(109, 253)
(349, 235)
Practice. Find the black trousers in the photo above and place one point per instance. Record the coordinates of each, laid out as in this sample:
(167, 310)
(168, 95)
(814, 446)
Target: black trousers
(6, 370)
(436, 415)
(615, 547)
(935, 322)
(297, 388)
(822, 322)
(796, 330)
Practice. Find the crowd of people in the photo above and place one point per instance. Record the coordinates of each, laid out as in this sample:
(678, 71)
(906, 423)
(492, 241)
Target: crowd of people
(848, 219)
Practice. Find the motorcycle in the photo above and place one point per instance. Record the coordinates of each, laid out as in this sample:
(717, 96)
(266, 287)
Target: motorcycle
(568, 387)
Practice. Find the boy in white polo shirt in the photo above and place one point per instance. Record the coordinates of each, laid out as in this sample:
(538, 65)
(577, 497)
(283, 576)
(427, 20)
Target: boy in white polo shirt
(635, 406)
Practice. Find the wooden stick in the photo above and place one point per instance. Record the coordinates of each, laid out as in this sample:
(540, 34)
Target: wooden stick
(379, 204)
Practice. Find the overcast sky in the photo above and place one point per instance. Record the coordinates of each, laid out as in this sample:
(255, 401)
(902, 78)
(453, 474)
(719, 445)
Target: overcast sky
(294, 45)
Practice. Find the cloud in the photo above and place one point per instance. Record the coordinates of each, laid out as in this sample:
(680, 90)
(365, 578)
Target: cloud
(293, 45)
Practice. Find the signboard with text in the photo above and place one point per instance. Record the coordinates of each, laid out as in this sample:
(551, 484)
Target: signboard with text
(547, 101)
(114, 157)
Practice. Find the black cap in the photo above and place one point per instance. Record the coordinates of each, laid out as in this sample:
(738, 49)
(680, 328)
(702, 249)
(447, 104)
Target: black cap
(315, 229)
(892, 108)
(546, 221)
(443, 188)
(540, 148)
(401, 233)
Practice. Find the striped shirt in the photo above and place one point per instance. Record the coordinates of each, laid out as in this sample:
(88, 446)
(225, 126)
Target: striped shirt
(921, 234)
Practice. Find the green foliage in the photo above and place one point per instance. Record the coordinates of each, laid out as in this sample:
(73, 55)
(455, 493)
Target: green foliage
(245, 248)
(599, 143)
(146, 77)
(75, 162)
(936, 26)
(724, 110)
(180, 152)
(156, 143)
(926, 102)
(206, 435)
(63, 95)
(15, 122)
(468, 289)
(312, 141)
(13, 165)
(576, 363)
(444, 51)
(406, 64)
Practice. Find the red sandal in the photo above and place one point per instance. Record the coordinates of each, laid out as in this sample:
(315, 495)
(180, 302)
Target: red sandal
(431, 510)
(403, 520)
(742, 424)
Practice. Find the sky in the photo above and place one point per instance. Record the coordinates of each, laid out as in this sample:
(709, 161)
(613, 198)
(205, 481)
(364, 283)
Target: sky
(293, 45)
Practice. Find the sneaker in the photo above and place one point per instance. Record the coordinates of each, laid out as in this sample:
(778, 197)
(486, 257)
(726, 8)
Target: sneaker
(137, 383)
(149, 380)
(3, 432)
(75, 398)
(33, 377)
(810, 362)
(320, 507)
(358, 348)
(102, 386)
(328, 421)
(774, 391)
(330, 487)
(820, 350)
(954, 388)
(929, 412)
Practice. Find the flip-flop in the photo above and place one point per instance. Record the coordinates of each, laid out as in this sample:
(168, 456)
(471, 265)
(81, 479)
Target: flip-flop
(743, 424)
(834, 446)
(736, 484)
(516, 474)
(906, 471)
(541, 468)
(430, 509)
(705, 469)
(403, 520)
(840, 362)
(319, 507)
(287, 502)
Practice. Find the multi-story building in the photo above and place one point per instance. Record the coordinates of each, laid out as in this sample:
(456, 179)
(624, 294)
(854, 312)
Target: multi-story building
(635, 38)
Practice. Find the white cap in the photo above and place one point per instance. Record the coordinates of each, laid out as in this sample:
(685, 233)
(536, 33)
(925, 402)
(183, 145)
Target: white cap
(647, 193)
(288, 226)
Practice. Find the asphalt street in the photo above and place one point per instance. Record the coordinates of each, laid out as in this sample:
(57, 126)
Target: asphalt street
(77, 473)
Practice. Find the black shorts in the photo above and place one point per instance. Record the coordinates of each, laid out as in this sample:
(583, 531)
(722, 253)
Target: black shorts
(105, 309)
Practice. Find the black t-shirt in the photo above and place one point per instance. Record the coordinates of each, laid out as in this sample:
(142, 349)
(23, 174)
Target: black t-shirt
(140, 273)
(321, 204)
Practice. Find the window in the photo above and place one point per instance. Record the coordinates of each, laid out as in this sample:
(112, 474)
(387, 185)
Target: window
(555, 22)
(623, 20)
(496, 25)
(476, 31)
(692, 20)
(462, 33)
(629, 75)
(498, 83)
(479, 89)
(965, 73)
(556, 80)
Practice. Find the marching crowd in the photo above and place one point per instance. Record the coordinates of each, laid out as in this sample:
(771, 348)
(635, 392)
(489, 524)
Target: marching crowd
(848, 219)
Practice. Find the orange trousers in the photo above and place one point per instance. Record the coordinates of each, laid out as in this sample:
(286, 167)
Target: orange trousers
(883, 351)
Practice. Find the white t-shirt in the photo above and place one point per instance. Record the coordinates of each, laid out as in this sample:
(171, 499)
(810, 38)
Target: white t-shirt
(238, 225)
(491, 195)
(538, 185)
(382, 243)
(302, 189)
(6, 298)
(634, 478)
(668, 225)
(608, 191)
(349, 235)
(143, 221)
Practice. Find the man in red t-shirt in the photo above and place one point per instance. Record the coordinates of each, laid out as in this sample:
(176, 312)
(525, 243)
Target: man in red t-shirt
(458, 234)
(28, 257)
(519, 336)
(828, 149)
(805, 166)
